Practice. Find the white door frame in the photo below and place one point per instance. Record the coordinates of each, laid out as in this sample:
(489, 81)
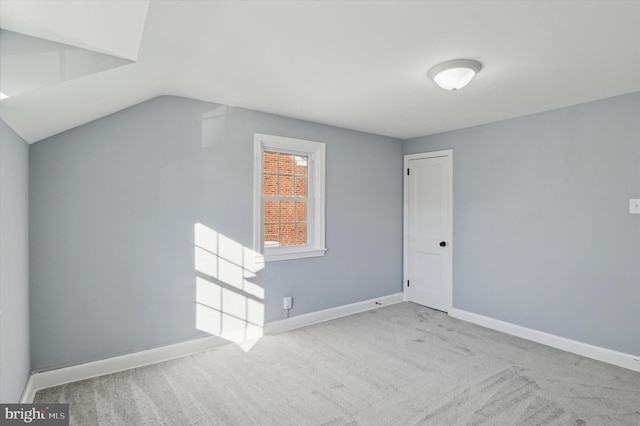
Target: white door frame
(405, 232)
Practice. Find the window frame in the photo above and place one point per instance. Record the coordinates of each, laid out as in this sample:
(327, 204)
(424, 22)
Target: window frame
(316, 153)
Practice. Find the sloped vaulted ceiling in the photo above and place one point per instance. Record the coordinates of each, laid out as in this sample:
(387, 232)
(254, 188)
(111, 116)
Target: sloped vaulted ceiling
(355, 64)
(110, 27)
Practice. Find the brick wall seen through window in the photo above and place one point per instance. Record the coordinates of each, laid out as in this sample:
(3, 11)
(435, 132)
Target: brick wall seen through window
(286, 203)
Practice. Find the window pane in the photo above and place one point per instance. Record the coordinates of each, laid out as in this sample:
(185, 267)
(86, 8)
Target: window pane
(301, 187)
(271, 235)
(301, 211)
(301, 233)
(287, 211)
(286, 186)
(269, 185)
(270, 162)
(271, 212)
(286, 164)
(286, 234)
(301, 165)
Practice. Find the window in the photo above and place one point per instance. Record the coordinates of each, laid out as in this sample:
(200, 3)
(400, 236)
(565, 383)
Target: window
(288, 198)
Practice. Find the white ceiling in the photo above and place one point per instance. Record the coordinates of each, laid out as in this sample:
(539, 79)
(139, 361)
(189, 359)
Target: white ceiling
(355, 64)
(113, 27)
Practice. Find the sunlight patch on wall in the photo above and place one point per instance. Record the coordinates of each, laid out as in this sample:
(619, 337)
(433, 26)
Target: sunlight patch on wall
(228, 304)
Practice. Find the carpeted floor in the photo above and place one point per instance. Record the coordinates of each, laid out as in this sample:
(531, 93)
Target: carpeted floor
(399, 365)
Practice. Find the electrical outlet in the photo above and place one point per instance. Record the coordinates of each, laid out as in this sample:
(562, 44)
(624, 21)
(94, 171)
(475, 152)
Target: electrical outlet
(287, 302)
(634, 206)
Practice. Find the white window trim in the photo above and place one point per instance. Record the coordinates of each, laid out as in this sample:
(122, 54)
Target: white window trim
(316, 152)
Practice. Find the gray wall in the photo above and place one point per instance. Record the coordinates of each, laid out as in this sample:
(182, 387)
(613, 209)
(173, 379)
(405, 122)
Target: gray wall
(113, 209)
(14, 264)
(542, 233)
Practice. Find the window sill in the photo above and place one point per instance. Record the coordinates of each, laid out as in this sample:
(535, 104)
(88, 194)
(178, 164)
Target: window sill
(289, 255)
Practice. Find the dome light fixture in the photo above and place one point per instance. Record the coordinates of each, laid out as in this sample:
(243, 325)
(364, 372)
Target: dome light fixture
(454, 75)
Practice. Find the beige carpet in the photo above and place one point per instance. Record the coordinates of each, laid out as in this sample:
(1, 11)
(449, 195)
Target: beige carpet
(399, 365)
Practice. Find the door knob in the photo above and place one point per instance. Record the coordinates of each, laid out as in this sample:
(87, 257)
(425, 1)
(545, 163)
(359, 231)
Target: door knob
(443, 244)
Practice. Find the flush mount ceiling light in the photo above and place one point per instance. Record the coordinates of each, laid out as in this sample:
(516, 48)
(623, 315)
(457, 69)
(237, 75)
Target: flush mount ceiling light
(454, 75)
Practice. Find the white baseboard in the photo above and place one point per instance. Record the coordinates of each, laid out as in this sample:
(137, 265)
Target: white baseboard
(331, 313)
(632, 362)
(29, 392)
(46, 379)
(60, 376)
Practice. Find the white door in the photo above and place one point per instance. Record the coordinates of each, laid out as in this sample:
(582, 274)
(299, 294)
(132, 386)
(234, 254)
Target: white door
(428, 263)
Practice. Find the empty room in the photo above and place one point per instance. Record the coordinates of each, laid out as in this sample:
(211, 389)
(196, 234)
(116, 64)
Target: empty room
(319, 212)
